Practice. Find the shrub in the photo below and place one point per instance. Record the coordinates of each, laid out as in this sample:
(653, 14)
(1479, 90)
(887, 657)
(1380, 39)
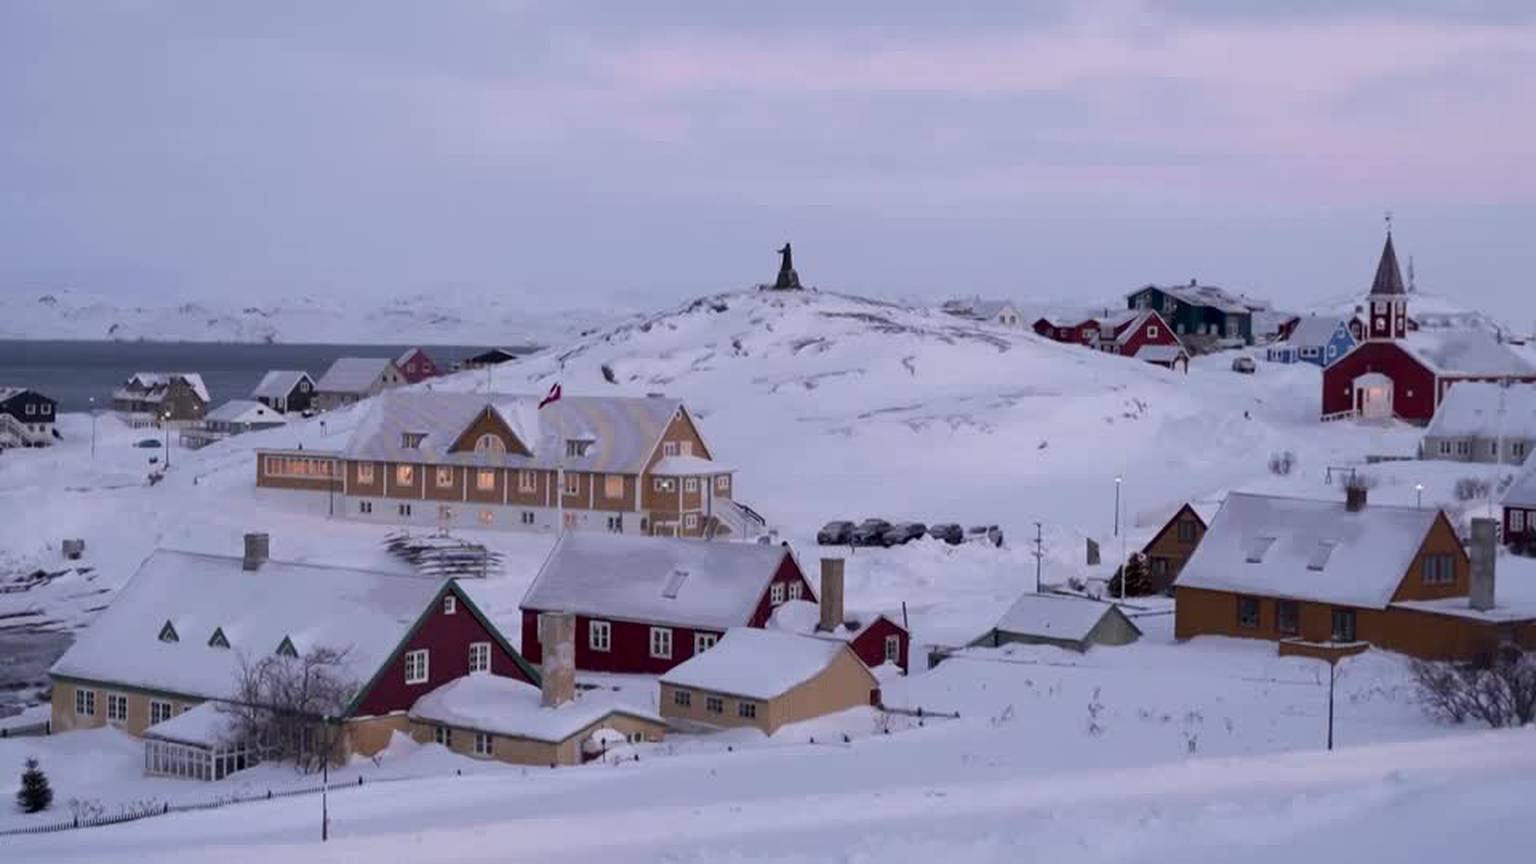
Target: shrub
(1472, 489)
(1499, 690)
(1281, 463)
(35, 794)
(1138, 582)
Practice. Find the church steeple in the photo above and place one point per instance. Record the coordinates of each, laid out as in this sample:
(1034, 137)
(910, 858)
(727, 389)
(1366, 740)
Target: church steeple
(1389, 279)
(1387, 303)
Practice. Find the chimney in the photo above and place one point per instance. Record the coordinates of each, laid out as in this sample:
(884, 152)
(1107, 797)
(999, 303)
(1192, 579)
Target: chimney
(256, 548)
(1484, 554)
(557, 640)
(1354, 497)
(831, 594)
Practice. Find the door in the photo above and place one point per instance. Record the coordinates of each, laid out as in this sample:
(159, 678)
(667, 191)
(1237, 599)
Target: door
(1374, 401)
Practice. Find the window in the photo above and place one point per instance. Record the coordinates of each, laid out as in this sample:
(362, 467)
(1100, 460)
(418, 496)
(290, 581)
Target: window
(159, 711)
(1287, 617)
(479, 656)
(682, 698)
(416, 666)
(664, 484)
(747, 710)
(1343, 625)
(85, 703)
(1257, 546)
(47, 409)
(714, 704)
(285, 648)
(117, 708)
(613, 486)
(490, 445)
(485, 480)
(31, 409)
(1247, 612)
(691, 485)
(411, 440)
(1152, 331)
(723, 483)
(599, 635)
(526, 481)
(1516, 521)
(1159, 565)
(443, 735)
(661, 642)
(403, 509)
(616, 524)
(1445, 448)
(776, 593)
(217, 640)
(1463, 448)
(795, 589)
(483, 745)
(365, 507)
(294, 466)
(450, 604)
(527, 517)
(168, 633)
(365, 472)
(405, 474)
(691, 521)
(1517, 449)
(1187, 530)
(669, 448)
(1439, 569)
(685, 448)
(893, 649)
(573, 484)
(575, 447)
(704, 641)
(444, 477)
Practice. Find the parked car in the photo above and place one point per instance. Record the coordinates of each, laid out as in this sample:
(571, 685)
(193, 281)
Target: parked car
(985, 534)
(835, 533)
(870, 532)
(949, 532)
(1245, 365)
(903, 532)
(147, 442)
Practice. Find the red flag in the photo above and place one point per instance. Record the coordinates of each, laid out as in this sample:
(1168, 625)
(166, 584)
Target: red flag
(553, 396)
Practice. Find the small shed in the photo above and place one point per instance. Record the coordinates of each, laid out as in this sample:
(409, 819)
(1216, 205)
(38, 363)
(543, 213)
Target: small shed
(1066, 621)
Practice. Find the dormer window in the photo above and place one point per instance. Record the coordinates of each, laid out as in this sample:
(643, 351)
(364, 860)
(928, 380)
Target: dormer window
(576, 447)
(168, 633)
(285, 648)
(490, 445)
(1256, 549)
(411, 440)
(217, 640)
(1319, 558)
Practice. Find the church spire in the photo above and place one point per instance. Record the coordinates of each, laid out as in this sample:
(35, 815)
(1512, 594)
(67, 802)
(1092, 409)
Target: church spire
(1387, 305)
(1389, 279)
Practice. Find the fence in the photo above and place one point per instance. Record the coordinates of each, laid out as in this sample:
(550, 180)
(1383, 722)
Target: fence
(167, 808)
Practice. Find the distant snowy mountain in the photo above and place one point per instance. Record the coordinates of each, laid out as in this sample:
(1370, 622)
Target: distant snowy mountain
(446, 318)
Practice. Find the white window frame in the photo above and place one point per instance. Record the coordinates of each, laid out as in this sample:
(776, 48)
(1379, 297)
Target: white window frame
(442, 735)
(485, 480)
(31, 409)
(160, 711)
(444, 476)
(527, 481)
(690, 520)
(450, 604)
(418, 666)
(691, 484)
(85, 702)
(664, 484)
(661, 643)
(484, 744)
(795, 590)
(365, 473)
(669, 448)
(1516, 521)
(1152, 331)
(572, 483)
(117, 707)
(776, 594)
(892, 648)
(600, 635)
(479, 657)
(722, 482)
(405, 475)
(704, 641)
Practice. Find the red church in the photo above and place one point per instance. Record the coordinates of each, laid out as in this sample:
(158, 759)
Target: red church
(1393, 373)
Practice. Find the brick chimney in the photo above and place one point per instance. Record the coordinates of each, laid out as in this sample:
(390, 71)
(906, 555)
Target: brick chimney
(831, 594)
(1484, 554)
(1354, 497)
(256, 548)
(557, 640)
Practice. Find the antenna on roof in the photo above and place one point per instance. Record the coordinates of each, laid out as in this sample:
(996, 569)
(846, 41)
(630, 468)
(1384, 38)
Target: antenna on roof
(1388, 218)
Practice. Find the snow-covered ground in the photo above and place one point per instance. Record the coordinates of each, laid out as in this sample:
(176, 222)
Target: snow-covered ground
(840, 407)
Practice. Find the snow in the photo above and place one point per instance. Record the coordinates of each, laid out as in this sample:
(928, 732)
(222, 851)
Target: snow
(244, 411)
(204, 725)
(757, 664)
(363, 612)
(1308, 549)
(1053, 616)
(152, 381)
(1522, 493)
(1466, 351)
(1314, 331)
(687, 465)
(636, 579)
(278, 383)
(505, 706)
(1159, 353)
(1483, 409)
(352, 374)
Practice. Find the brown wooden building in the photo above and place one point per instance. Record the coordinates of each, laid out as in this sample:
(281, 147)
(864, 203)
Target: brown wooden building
(1172, 545)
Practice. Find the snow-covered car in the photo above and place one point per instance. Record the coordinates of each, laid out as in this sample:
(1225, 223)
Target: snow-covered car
(1244, 365)
(949, 532)
(903, 532)
(147, 442)
(985, 534)
(870, 532)
(837, 533)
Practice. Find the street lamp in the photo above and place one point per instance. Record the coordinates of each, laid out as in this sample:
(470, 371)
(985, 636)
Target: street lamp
(1117, 505)
(92, 400)
(1418, 489)
(165, 421)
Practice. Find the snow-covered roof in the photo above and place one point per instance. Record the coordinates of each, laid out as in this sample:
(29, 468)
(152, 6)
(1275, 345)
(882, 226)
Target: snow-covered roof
(353, 374)
(278, 383)
(709, 584)
(687, 465)
(987, 310)
(624, 431)
(1466, 351)
(804, 616)
(757, 664)
(1308, 549)
(156, 383)
(1053, 616)
(208, 724)
(1159, 353)
(364, 612)
(1200, 295)
(1314, 331)
(1521, 493)
(245, 411)
(7, 393)
(1472, 409)
(506, 706)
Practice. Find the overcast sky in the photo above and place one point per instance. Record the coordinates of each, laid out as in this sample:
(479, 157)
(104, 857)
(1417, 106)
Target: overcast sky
(642, 152)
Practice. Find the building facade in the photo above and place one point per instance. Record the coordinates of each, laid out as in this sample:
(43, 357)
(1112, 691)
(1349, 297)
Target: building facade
(26, 418)
(1201, 314)
(286, 391)
(1483, 422)
(1172, 545)
(153, 398)
(353, 379)
(1318, 340)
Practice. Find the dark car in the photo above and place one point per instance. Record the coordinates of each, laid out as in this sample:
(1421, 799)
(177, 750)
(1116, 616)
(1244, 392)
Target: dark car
(949, 532)
(835, 534)
(985, 534)
(903, 532)
(870, 532)
(147, 442)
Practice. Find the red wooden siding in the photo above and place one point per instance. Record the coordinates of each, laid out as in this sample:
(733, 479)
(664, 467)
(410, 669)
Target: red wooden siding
(869, 644)
(1413, 385)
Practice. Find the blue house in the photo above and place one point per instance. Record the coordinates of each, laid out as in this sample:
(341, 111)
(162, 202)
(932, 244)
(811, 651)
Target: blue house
(1316, 339)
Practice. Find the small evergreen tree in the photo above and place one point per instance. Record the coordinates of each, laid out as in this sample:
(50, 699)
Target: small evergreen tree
(34, 794)
(1138, 581)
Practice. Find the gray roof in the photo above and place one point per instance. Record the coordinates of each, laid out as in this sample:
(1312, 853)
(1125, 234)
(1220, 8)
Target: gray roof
(686, 583)
(1522, 493)
(624, 431)
(8, 393)
(1201, 295)
(278, 383)
(1055, 616)
(1308, 549)
(1314, 331)
(1471, 409)
(1466, 351)
(245, 411)
(1389, 279)
(353, 374)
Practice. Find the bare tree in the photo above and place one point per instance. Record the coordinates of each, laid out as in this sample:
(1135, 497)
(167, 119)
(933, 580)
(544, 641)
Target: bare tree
(284, 706)
(1499, 690)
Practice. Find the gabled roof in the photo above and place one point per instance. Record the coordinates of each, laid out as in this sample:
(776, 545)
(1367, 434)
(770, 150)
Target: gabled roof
(1471, 409)
(278, 383)
(506, 706)
(624, 430)
(9, 393)
(1522, 493)
(1465, 351)
(709, 584)
(159, 381)
(758, 664)
(492, 355)
(1203, 514)
(1200, 295)
(1315, 331)
(245, 411)
(365, 612)
(1056, 616)
(1272, 546)
(1389, 279)
(353, 374)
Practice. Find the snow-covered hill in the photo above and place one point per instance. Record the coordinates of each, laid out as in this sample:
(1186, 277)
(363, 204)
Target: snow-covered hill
(444, 318)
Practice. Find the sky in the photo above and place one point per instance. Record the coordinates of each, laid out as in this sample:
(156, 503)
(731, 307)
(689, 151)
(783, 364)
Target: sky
(635, 154)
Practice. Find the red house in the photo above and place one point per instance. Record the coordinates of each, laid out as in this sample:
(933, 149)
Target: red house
(1397, 374)
(1520, 511)
(1144, 335)
(416, 366)
(1073, 331)
(876, 638)
(646, 604)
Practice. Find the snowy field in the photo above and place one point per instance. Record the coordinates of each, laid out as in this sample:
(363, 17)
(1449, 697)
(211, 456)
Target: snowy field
(835, 407)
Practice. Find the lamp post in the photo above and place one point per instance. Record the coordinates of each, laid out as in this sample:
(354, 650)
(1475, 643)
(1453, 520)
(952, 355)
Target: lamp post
(1039, 555)
(165, 420)
(1117, 505)
(92, 400)
(1418, 489)
(330, 483)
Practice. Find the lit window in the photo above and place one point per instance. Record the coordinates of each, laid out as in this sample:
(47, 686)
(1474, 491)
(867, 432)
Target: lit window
(117, 708)
(487, 517)
(450, 604)
(599, 635)
(485, 480)
(661, 642)
(365, 472)
(444, 476)
(85, 703)
(416, 666)
(613, 486)
(479, 656)
(405, 474)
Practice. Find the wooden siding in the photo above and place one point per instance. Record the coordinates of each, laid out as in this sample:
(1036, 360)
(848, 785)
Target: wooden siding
(845, 683)
(1167, 547)
(527, 751)
(1414, 395)
(489, 423)
(869, 643)
(1442, 540)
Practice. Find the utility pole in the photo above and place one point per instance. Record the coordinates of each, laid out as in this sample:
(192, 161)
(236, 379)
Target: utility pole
(166, 421)
(1039, 555)
(325, 783)
(93, 428)
(1333, 676)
